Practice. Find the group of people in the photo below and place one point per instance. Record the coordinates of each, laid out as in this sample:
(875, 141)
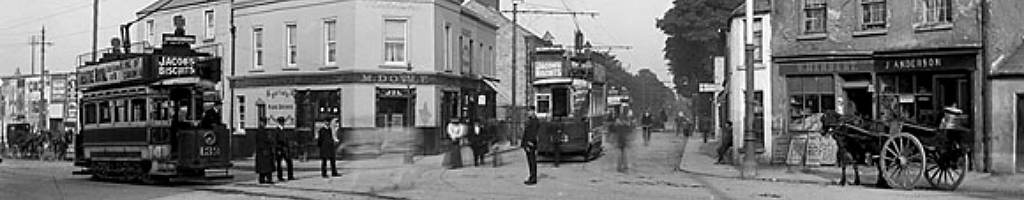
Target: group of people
(479, 135)
(274, 150)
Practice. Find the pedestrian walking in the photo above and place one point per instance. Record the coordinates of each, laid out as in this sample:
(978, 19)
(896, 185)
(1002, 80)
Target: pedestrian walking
(264, 153)
(327, 140)
(529, 144)
(646, 121)
(284, 154)
(726, 144)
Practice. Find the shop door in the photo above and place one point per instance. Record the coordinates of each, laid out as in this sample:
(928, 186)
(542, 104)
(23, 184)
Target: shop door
(954, 90)
(1020, 133)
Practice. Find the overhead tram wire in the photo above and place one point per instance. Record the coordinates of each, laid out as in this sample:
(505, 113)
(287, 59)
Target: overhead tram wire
(55, 14)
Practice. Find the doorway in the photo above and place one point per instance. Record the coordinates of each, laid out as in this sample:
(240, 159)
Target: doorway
(858, 101)
(1019, 151)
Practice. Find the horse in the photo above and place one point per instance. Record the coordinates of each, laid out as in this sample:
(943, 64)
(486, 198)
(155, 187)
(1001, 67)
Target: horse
(857, 145)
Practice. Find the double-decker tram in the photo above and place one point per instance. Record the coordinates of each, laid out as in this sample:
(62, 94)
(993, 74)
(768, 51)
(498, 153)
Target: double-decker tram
(152, 117)
(570, 104)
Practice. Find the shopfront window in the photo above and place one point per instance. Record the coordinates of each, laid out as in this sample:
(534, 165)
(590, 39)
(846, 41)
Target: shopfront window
(811, 94)
(393, 108)
(907, 97)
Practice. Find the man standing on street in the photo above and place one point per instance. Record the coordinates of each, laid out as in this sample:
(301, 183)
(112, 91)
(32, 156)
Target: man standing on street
(327, 140)
(283, 151)
(264, 153)
(530, 145)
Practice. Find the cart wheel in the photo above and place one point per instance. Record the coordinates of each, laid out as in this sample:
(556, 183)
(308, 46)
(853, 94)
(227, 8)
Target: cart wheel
(946, 173)
(903, 161)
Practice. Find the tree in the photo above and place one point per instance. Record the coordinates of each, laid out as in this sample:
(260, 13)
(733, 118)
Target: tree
(694, 30)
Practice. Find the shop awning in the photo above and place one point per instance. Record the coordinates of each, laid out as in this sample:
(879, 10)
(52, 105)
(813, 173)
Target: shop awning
(1012, 65)
(493, 84)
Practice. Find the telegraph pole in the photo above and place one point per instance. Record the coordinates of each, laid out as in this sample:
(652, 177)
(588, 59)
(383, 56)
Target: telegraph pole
(95, 26)
(515, 40)
(43, 103)
(748, 167)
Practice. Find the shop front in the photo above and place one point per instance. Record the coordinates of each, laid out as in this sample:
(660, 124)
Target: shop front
(379, 112)
(911, 87)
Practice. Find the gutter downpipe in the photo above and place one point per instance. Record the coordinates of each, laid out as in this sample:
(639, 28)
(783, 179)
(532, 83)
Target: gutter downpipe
(986, 93)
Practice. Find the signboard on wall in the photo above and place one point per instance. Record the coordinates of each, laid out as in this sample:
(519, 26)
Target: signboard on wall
(278, 102)
(547, 69)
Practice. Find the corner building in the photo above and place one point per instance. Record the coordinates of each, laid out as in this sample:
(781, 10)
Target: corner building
(377, 65)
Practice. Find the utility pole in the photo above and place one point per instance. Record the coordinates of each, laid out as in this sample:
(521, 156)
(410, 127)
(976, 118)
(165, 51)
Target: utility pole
(515, 40)
(95, 27)
(43, 103)
(748, 168)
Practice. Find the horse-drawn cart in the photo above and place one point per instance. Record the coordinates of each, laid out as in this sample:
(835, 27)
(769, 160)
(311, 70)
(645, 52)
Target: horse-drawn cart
(906, 152)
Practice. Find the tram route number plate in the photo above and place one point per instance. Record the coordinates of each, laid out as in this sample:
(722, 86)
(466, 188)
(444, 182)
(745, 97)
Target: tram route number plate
(209, 151)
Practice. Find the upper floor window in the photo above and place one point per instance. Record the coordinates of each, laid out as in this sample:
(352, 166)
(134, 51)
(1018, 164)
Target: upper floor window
(257, 47)
(330, 42)
(395, 41)
(873, 14)
(290, 31)
(209, 26)
(758, 39)
(149, 36)
(935, 11)
(448, 47)
(815, 15)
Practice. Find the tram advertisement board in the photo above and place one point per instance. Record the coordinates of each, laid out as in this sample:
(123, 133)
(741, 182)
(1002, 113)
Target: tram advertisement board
(112, 72)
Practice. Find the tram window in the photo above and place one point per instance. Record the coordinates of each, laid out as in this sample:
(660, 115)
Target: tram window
(120, 111)
(138, 110)
(161, 109)
(104, 112)
(560, 102)
(543, 103)
(90, 113)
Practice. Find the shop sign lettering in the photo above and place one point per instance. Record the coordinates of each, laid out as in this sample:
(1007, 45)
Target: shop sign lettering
(392, 92)
(913, 64)
(393, 78)
(166, 61)
(176, 71)
(285, 93)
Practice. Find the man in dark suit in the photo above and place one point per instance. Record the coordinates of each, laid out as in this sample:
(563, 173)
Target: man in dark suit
(529, 144)
(327, 140)
(264, 153)
(283, 151)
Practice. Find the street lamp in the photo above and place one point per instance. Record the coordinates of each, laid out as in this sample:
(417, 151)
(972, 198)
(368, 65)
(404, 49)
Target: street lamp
(410, 109)
(748, 168)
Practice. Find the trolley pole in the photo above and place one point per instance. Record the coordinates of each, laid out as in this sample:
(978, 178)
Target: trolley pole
(748, 168)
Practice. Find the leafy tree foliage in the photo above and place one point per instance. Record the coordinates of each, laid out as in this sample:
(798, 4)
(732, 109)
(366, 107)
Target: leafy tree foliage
(647, 93)
(694, 29)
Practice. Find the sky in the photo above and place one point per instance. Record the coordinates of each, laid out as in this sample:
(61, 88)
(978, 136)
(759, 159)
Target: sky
(619, 22)
(69, 27)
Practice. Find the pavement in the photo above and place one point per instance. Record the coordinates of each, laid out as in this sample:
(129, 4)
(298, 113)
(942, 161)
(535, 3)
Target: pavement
(699, 159)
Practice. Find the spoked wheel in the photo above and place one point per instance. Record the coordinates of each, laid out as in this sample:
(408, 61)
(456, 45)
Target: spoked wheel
(903, 161)
(946, 173)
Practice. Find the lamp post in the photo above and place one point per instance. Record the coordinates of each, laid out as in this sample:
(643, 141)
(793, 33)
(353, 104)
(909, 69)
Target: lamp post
(411, 124)
(749, 164)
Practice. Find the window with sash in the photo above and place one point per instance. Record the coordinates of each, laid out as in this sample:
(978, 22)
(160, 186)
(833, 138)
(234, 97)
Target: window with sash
(815, 15)
(935, 11)
(291, 44)
(873, 14)
(257, 47)
(330, 42)
(395, 41)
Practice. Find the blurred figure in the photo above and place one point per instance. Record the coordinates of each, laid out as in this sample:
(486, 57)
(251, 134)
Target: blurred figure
(529, 144)
(726, 143)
